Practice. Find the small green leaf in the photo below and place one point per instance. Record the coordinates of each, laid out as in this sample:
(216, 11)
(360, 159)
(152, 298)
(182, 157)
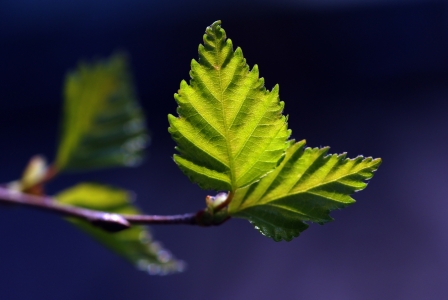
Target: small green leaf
(134, 244)
(34, 173)
(230, 131)
(306, 186)
(103, 124)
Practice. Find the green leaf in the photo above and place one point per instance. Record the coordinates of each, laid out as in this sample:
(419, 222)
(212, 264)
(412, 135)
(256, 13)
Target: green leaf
(103, 124)
(134, 244)
(306, 186)
(230, 131)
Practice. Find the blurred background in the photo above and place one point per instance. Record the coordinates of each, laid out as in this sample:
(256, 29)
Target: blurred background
(362, 76)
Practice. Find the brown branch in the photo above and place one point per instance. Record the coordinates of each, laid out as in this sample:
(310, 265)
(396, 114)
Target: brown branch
(108, 221)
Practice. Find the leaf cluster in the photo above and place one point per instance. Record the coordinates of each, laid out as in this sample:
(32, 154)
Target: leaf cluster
(103, 126)
(231, 135)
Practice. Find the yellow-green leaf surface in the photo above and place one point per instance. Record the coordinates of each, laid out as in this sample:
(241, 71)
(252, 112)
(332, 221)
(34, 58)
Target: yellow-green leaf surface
(306, 186)
(230, 131)
(103, 124)
(134, 244)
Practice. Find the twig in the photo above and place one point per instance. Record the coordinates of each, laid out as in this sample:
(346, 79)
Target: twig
(108, 221)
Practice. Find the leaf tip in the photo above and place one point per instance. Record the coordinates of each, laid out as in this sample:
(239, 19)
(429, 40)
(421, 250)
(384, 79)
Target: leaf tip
(171, 118)
(215, 25)
(378, 161)
(214, 31)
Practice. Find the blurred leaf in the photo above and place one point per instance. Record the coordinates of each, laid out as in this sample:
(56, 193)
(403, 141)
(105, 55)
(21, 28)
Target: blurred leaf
(306, 186)
(230, 131)
(103, 124)
(34, 173)
(134, 244)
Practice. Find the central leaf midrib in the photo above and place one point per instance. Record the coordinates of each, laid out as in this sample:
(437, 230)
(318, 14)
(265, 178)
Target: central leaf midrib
(226, 130)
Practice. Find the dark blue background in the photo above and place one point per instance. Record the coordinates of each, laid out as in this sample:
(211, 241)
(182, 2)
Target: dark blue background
(368, 79)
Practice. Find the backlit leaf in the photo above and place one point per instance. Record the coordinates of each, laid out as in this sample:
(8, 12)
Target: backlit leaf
(305, 187)
(230, 131)
(134, 244)
(103, 124)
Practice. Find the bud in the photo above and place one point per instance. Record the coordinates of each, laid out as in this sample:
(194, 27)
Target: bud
(215, 201)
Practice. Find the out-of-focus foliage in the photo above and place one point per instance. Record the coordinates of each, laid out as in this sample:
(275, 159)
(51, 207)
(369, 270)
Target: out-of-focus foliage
(134, 244)
(33, 174)
(103, 124)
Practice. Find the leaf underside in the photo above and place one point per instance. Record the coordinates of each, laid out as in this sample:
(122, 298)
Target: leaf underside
(230, 131)
(305, 187)
(103, 124)
(134, 244)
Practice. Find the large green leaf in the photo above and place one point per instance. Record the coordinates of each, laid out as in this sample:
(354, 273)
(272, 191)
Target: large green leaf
(103, 124)
(306, 186)
(230, 131)
(134, 244)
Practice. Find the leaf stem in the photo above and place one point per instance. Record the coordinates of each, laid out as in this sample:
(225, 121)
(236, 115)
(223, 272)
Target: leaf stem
(108, 221)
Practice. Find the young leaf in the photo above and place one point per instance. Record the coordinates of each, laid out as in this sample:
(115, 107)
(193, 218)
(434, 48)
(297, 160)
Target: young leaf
(306, 186)
(103, 124)
(32, 176)
(230, 131)
(134, 244)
